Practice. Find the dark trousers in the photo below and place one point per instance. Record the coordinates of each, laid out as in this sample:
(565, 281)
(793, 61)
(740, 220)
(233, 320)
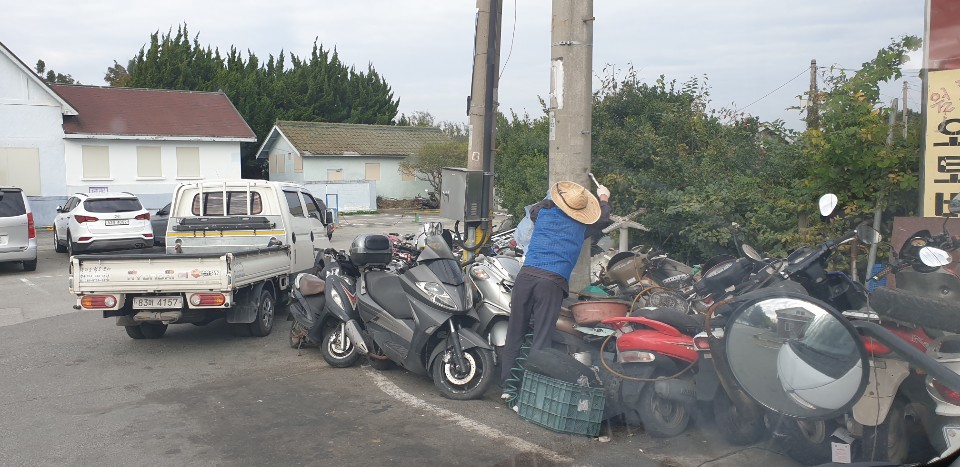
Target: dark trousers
(532, 297)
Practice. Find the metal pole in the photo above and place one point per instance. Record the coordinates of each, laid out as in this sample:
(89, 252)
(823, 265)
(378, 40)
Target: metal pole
(878, 208)
(571, 105)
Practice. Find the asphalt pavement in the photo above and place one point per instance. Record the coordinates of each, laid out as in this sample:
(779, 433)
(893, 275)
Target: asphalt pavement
(75, 390)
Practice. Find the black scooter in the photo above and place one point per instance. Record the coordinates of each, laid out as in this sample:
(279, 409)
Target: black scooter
(324, 311)
(422, 319)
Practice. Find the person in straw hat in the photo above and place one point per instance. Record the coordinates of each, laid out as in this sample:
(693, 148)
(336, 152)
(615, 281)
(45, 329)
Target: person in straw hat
(562, 222)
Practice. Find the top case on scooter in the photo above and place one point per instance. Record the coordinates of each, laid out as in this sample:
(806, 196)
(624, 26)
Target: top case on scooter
(385, 289)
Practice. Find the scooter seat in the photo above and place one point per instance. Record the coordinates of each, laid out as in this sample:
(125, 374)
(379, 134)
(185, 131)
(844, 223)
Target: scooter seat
(385, 289)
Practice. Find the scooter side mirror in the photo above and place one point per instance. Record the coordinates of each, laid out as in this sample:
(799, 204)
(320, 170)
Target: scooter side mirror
(828, 203)
(751, 252)
(796, 355)
(868, 235)
(934, 257)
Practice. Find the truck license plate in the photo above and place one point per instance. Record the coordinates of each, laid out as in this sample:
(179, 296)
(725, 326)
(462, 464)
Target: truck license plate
(117, 222)
(157, 302)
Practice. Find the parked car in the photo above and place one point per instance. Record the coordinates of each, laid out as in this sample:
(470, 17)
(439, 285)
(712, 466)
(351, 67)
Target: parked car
(159, 223)
(18, 235)
(102, 221)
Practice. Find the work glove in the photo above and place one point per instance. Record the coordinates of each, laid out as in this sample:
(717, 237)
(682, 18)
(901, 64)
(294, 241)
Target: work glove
(603, 191)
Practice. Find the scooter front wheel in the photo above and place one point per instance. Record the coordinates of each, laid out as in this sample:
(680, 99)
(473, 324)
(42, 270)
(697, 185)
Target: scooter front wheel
(469, 382)
(337, 349)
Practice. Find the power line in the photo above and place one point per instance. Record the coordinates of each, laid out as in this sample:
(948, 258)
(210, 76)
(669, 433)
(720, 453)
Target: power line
(512, 36)
(805, 70)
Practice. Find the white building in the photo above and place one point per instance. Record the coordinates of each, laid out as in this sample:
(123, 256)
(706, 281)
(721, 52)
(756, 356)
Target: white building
(56, 140)
(355, 162)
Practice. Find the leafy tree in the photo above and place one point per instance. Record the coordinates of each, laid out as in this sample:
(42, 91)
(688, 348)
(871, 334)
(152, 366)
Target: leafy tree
(427, 163)
(53, 77)
(849, 152)
(117, 75)
(521, 165)
(317, 88)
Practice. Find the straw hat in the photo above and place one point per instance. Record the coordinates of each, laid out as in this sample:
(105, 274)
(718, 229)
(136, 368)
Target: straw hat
(576, 201)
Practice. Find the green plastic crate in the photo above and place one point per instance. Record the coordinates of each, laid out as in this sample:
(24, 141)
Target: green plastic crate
(560, 406)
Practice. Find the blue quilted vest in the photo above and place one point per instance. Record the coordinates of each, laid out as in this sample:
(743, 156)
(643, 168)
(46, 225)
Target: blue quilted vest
(556, 242)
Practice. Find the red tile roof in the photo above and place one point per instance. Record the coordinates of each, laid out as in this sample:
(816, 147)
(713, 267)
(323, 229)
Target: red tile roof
(151, 112)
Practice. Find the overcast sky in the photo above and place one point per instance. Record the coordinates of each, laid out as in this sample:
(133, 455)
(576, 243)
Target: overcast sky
(746, 48)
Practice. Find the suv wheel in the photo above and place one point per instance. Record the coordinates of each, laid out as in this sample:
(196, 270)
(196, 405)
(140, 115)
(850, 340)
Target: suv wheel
(56, 242)
(70, 245)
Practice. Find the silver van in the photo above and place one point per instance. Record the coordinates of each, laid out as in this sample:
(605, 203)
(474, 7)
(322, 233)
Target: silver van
(18, 235)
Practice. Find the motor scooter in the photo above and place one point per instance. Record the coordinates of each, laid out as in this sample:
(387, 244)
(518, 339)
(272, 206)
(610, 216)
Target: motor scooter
(422, 319)
(324, 310)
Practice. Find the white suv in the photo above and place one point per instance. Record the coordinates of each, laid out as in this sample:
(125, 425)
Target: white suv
(102, 221)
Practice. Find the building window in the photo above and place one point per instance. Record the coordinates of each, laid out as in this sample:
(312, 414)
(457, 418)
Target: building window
(407, 175)
(96, 162)
(298, 164)
(372, 171)
(148, 162)
(188, 162)
(334, 175)
(21, 167)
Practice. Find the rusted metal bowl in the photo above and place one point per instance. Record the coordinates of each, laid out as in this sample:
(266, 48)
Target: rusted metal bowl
(591, 312)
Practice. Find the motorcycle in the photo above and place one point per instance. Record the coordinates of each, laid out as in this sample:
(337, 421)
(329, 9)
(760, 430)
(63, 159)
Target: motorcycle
(324, 310)
(422, 319)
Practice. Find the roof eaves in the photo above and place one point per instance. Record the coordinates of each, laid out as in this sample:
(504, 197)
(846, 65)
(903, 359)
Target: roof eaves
(65, 107)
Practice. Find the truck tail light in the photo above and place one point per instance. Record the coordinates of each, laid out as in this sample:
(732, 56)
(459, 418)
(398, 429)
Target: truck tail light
(81, 218)
(143, 217)
(98, 301)
(208, 299)
(31, 227)
(948, 394)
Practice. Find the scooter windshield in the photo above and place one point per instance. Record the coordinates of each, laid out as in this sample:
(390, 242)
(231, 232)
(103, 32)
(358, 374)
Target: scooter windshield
(437, 256)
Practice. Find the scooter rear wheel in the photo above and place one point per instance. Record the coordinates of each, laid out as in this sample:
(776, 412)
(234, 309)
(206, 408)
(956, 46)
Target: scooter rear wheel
(661, 418)
(464, 383)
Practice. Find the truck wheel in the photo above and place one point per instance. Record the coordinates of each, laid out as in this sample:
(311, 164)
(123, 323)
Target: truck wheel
(153, 330)
(134, 332)
(266, 308)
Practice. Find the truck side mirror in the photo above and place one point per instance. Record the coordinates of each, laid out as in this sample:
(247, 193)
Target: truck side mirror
(328, 216)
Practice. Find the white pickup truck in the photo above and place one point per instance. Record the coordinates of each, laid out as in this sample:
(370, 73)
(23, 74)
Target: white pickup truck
(231, 248)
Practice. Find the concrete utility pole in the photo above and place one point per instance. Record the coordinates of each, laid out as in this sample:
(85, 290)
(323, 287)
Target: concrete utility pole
(482, 107)
(813, 116)
(904, 116)
(571, 104)
(486, 64)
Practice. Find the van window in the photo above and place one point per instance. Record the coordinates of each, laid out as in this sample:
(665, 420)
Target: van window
(11, 204)
(112, 205)
(236, 203)
(293, 200)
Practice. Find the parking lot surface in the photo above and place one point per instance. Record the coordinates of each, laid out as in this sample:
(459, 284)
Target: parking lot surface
(75, 390)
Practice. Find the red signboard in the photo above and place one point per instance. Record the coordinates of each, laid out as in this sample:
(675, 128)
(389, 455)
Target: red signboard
(943, 37)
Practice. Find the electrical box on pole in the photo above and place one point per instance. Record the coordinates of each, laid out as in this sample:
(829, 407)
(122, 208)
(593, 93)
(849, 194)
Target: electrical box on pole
(461, 194)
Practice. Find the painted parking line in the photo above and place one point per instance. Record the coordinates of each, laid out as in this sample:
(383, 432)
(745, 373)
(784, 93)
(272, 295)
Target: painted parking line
(486, 431)
(34, 286)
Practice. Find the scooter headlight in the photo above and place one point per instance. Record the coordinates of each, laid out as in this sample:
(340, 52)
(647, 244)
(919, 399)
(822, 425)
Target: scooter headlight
(436, 293)
(479, 273)
(336, 298)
